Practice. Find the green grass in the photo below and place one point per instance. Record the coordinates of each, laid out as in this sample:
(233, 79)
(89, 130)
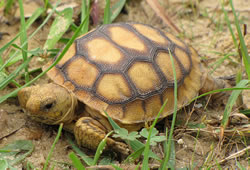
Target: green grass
(12, 76)
(15, 152)
(76, 161)
(8, 7)
(174, 113)
(57, 30)
(53, 147)
(243, 48)
(14, 57)
(23, 38)
(85, 10)
(147, 146)
(107, 13)
(217, 64)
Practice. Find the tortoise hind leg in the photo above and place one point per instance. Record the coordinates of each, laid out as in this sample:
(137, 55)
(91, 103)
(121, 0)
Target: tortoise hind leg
(89, 133)
(211, 84)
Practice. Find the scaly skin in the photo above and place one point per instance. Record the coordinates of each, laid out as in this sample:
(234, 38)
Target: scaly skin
(54, 104)
(90, 133)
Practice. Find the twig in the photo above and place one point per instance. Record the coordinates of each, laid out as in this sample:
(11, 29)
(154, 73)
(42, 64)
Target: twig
(235, 155)
(154, 4)
(123, 166)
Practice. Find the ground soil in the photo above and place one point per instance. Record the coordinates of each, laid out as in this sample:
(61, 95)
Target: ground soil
(202, 25)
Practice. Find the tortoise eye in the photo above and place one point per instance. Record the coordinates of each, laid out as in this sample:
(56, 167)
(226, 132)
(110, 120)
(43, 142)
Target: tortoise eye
(48, 106)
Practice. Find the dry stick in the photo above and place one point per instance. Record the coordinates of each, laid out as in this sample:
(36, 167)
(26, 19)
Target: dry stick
(123, 166)
(189, 114)
(235, 155)
(214, 131)
(154, 4)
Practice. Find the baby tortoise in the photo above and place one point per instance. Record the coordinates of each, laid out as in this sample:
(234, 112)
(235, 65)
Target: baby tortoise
(123, 69)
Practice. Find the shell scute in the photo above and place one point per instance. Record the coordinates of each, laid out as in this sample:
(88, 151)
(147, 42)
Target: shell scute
(68, 55)
(166, 67)
(81, 72)
(151, 33)
(144, 77)
(127, 39)
(101, 50)
(114, 87)
(184, 59)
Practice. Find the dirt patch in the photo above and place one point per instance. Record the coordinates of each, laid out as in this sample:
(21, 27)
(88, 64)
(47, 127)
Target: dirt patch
(203, 26)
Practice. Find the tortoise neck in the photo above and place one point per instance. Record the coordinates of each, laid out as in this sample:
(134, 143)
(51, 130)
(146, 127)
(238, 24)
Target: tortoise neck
(70, 115)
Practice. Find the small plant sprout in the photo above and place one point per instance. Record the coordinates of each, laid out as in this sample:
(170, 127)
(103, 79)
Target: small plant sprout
(154, 138)
(123, 134)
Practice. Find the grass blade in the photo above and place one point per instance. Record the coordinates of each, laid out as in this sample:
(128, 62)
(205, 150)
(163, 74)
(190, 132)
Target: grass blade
(107, 13)
(34, 33)
(132, 157)
(3, 49)
(231, 101)
(4, 164)
(3, 98)
(8, 6)
(23, 38)
(171, 161)
(46, 4)
(34, 16)
(85, 14)
(16, 152)
(219, 61)
(53, 146)
(147, 146)
(116, 9)
(84, 157)
(135, 144)
(219, 90)
(100, 148)
(229, 25)
(30, 21)
(240, 166)
(76, 161)
(8, 79)
(59, 26)
(175, 110)
(243, 48)
(165, 161)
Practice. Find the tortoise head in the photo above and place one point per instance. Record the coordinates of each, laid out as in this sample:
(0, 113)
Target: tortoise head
(49, 103)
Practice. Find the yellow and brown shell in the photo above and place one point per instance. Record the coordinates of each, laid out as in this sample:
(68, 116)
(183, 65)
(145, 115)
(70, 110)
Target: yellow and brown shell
(125, 70)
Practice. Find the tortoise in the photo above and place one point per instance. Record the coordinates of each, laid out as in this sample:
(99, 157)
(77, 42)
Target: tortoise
(123, 69)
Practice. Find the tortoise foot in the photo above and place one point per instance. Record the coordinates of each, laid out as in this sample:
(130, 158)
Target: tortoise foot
(89, 133)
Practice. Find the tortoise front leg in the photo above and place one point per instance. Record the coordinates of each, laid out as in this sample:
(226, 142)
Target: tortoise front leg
(89, 133)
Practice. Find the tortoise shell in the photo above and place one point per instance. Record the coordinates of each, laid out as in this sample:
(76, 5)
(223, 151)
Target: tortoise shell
(125, 70)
